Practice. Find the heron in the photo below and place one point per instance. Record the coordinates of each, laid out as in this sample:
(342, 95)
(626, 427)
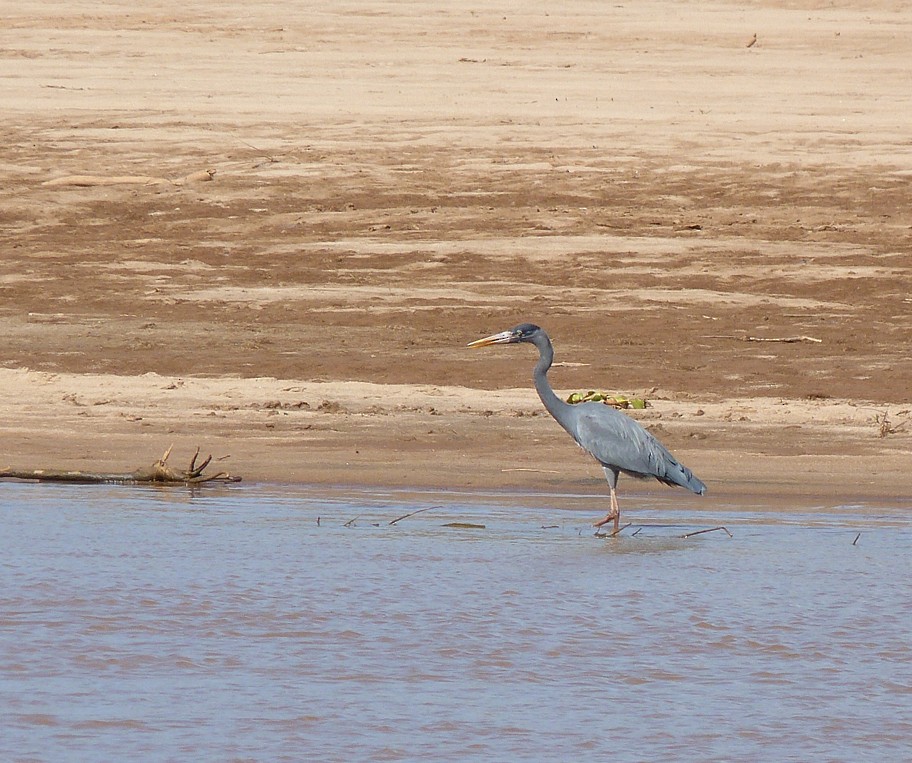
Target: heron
(615, 440)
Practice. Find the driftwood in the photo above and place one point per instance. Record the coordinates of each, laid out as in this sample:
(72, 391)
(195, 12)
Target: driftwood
(159, 473)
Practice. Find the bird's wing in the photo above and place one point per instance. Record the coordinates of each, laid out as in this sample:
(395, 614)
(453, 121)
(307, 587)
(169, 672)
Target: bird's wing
(619, 441)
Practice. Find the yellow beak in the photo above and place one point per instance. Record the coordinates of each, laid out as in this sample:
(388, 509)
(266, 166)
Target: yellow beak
(502, 338)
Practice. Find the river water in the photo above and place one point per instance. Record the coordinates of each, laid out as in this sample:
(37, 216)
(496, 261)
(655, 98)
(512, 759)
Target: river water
(288, 624)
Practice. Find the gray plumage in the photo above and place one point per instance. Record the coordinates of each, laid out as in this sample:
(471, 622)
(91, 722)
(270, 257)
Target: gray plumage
(616, 441)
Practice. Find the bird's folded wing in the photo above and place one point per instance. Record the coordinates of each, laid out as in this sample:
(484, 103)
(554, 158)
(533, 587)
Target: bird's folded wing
(617, 440)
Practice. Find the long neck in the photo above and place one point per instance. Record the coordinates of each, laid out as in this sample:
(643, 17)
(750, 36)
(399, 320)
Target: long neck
(556, 407)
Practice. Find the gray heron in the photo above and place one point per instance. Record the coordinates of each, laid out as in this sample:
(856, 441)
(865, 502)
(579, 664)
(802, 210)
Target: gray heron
(616, 441)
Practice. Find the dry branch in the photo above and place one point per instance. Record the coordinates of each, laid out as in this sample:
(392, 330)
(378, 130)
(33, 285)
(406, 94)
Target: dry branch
(785, 339)
(88, 181)
(158, 473)
(781, 339)
(884, 427)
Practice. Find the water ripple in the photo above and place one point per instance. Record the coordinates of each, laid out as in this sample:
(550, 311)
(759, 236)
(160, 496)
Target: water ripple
(170, 625)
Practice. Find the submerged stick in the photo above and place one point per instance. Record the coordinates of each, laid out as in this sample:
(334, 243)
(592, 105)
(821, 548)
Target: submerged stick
(709, 530)
(619, 530)
(613, 533)
(413, 513)
(856, 539)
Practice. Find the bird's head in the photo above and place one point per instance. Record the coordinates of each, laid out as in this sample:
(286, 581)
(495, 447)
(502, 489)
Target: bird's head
(524, 332)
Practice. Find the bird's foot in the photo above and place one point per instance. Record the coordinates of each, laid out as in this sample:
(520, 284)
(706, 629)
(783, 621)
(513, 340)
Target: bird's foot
(611, 516)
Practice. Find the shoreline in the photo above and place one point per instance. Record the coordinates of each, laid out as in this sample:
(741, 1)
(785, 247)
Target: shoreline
(427, 437)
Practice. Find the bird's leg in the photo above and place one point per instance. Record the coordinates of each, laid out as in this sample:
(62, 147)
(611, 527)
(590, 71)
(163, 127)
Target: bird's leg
(614, 514)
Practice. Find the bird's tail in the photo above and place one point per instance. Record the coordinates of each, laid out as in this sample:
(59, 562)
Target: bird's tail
(694, 483)
(682, 476)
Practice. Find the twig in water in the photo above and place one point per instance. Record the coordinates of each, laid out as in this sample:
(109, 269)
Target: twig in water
(613, 533)
(413, 513)
(636, 532)
(856, 539)
(710, 530)
(351, 521)
(619, 530)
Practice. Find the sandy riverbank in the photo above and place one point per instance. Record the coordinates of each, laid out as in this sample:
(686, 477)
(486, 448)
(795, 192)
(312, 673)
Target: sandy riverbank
(271, 232)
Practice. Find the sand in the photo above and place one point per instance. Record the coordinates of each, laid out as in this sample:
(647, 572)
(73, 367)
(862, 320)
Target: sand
(270, 229)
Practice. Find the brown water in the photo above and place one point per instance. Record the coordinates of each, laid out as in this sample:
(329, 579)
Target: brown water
(229, 625)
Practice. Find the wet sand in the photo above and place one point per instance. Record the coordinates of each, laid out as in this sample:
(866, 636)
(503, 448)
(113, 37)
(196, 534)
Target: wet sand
(270, 232)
